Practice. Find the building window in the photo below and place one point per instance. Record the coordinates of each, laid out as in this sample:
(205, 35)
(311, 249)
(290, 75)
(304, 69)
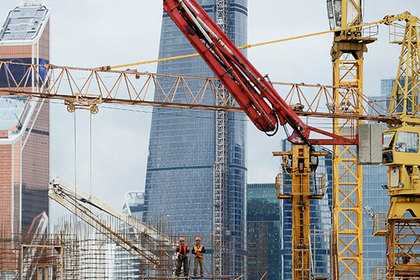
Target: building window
(407, 142)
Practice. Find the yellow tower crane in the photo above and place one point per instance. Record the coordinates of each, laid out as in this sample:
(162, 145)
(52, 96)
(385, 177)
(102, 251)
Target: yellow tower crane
(402, 155)
(300, 183)
(133, 88)
(347, 54)
(348, 113)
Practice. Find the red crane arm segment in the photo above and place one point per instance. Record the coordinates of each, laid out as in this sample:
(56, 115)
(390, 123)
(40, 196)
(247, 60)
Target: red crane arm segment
(256, 96)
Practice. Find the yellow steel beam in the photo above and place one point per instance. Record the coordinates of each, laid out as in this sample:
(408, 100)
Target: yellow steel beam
(298, 174)
(351, 15)
(347, 175)
(347, 178)
(301, 212)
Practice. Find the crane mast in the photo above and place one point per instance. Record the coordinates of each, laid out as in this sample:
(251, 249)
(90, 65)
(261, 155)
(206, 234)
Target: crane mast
(347, 54)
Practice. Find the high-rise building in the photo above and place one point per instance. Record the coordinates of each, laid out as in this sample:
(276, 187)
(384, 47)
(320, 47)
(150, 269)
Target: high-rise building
(321, 223)
(264, 232)
(127, 266)
(196, 163)
(24, 123)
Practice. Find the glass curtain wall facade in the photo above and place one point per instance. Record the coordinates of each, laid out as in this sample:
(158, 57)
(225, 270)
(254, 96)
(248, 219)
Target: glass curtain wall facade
(127, 266)
(375, 199)
(182, 149)
(321, 223)
(264, 232)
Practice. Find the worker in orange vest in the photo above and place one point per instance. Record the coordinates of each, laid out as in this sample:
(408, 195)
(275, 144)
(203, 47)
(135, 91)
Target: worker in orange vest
(182, 251)
(198, 252)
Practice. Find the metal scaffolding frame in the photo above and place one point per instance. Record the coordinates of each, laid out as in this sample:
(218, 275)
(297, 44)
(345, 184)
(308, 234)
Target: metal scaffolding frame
(221, 165)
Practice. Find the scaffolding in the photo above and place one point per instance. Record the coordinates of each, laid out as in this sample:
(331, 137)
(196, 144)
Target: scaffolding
(221, 166)
(93, 243)
(76, 251)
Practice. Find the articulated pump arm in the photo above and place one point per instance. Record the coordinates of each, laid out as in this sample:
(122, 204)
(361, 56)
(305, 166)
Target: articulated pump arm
(252, 91)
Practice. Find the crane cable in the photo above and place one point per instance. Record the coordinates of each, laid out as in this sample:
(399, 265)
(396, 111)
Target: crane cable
(90, 152)
(252, 45)
(75, 161)
(75, 154)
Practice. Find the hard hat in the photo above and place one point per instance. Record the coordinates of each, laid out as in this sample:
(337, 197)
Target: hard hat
(197, 239)
(181, 239)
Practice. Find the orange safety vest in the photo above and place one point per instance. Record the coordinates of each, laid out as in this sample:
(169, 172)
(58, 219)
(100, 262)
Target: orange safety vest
(185, 250)
(198, 254)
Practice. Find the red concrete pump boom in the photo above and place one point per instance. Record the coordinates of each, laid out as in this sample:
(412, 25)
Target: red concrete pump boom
(252, 91)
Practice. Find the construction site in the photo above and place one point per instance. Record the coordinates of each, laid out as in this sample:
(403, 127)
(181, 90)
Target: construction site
(314, 220)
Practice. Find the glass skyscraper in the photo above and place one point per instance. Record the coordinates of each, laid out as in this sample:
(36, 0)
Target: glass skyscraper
(182, 150)
(264, 232)
(127, 266)
(24, 122)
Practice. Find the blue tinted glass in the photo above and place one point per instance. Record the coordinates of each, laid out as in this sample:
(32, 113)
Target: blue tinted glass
(182, 149)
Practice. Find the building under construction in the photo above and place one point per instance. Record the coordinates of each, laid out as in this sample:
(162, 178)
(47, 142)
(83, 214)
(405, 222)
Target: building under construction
(88, 245)
(85, 247)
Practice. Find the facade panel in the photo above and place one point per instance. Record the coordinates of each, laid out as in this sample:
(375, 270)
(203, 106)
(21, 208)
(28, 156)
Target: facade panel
(264, 232)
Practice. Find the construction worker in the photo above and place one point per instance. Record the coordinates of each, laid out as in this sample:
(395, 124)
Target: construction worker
(182, 251)
(198, 252)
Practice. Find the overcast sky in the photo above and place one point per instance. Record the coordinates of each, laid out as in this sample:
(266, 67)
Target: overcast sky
(91, 33)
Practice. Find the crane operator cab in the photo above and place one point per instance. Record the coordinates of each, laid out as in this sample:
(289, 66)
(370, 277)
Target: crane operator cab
(400, 151)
